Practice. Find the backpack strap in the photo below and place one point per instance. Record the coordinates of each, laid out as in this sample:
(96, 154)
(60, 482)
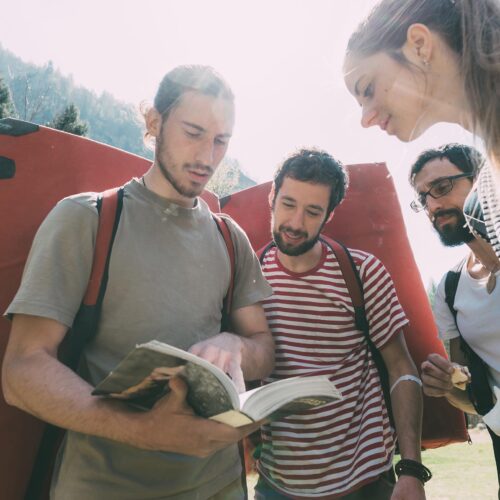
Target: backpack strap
(109, 206)
(450, 288)
(223, 228)
(354, 285)
(478, 389)
(263, 251)
(84, 328)
(352, 281)
(355, 288)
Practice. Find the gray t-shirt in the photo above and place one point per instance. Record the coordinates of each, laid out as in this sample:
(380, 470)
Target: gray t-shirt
(169, 273)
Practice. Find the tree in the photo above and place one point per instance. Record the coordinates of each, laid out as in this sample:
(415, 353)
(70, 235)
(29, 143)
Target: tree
(36, 92)
(69, 121)
(229, 178)
(431, 291)
(40, 92)
(6, 104)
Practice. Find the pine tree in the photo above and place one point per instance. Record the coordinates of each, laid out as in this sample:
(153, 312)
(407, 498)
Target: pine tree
(69, 121)
(6, 104)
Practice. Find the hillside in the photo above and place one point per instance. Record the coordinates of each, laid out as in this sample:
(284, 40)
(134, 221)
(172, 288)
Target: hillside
(39, 93)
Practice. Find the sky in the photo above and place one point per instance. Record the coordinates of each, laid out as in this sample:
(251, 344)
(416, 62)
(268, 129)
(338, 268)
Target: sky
(283, 59)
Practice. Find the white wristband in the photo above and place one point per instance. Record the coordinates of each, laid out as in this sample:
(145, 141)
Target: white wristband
(411, 378)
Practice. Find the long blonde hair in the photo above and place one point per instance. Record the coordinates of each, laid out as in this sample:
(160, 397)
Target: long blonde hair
(471, 28)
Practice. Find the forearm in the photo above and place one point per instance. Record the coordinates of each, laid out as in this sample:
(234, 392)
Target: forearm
(40, 385)
(68, 403)
(407, 407)
(35, 381)
(257, 355)
(256, 344)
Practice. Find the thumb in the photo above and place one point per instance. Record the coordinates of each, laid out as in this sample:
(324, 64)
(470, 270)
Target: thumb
(178, 387)
(176, 399)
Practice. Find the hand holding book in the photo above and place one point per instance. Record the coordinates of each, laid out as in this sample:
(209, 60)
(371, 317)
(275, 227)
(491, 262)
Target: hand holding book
(186, 433)
(142, 378)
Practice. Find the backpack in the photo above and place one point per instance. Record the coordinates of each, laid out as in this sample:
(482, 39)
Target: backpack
(109, 207)
(355, 287)
(478, 389)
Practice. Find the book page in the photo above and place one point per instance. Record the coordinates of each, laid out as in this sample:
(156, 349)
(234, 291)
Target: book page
(233, 418)
(288, 396)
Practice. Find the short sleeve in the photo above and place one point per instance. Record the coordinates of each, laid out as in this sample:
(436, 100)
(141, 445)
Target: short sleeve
(250, 286)
(383, 311)
(445, 322)
(58, 267)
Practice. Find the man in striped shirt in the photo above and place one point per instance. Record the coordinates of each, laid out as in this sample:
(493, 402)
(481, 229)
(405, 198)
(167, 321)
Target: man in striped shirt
(343, 449)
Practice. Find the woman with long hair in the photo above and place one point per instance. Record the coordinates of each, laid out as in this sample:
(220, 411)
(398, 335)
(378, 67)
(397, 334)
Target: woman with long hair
(413, 63)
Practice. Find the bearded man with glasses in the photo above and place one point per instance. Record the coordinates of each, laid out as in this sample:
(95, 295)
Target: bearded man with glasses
(442, 179)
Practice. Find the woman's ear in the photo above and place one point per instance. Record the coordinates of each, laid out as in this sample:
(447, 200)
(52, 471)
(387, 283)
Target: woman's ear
(153, 122)
(419, 44)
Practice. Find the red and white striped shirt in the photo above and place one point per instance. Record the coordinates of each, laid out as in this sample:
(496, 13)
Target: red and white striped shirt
(334, 449)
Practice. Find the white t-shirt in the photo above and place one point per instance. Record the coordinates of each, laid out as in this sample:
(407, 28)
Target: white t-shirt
(478, 318)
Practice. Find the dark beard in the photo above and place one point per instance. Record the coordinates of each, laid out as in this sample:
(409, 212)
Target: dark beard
(294, 251)
(452, 235)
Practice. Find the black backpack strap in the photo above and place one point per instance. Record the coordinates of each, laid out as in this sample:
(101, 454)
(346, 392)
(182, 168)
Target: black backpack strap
(109, 206)
(355, 286)
(478, 389)
(450, 287)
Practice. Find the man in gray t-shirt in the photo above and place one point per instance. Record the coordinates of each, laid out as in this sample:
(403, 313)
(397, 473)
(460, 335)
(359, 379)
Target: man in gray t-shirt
(168, 276)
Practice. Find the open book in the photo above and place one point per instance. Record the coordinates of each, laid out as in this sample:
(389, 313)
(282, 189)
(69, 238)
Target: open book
(142, 379)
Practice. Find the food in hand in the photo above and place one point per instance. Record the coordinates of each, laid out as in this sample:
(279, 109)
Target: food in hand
(460, 376)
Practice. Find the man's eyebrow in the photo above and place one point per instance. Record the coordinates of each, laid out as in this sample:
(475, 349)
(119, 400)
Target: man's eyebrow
(432, 183)
(193, 125)
(438, 179)
(316, 207)
(201, 129)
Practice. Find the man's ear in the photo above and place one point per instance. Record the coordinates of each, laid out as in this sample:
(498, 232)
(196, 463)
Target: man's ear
(419, 44)
(153, 122)
(271, 196)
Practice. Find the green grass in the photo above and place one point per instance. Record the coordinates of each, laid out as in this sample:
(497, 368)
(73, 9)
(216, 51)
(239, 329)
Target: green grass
(462, 471)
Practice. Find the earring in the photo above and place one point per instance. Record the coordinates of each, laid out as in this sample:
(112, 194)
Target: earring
(425, 62)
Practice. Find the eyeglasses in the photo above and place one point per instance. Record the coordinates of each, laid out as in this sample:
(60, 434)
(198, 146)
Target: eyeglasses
(440, 188)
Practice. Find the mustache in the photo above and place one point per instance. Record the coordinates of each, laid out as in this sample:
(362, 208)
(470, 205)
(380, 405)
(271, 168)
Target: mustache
(445, 213)
(293, 232)
(199, 167)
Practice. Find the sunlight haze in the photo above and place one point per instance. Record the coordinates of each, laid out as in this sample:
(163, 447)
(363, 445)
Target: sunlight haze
(283, 60)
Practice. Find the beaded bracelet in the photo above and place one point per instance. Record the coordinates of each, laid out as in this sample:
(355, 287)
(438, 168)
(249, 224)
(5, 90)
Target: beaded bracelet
(407, 467)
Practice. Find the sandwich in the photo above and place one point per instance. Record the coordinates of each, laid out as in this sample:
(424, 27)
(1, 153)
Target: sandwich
(460, 376)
